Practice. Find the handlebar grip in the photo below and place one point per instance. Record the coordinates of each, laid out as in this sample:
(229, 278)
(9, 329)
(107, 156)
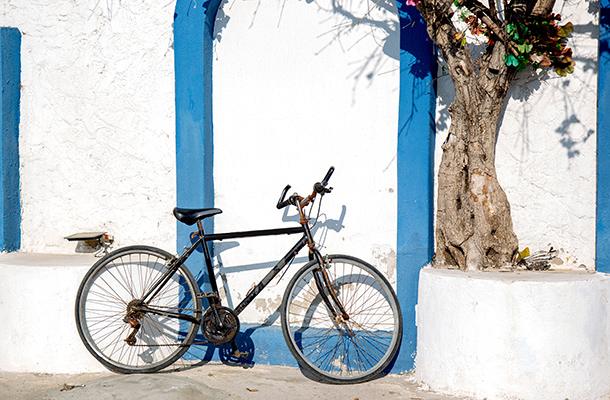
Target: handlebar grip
(281, 203)
(328, 175)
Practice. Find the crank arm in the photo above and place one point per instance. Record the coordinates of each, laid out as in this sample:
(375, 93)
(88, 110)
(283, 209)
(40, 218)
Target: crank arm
(131, 339)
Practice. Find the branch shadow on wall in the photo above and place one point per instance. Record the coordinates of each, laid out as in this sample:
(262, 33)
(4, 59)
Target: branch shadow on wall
(528, 83)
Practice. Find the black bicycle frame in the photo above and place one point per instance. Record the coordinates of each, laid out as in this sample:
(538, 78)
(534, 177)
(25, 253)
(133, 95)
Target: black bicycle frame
(271, 274)
(203, 239)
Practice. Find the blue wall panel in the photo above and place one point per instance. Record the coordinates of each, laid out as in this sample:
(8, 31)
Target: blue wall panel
(10, 78)
(193, 28)
(415, 241)
(603, 143)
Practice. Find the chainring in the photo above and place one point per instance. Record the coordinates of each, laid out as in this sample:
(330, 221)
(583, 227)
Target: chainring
(221, 331)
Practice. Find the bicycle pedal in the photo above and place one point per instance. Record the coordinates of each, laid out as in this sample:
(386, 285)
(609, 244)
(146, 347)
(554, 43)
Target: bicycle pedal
(209, 295)
(241, 354)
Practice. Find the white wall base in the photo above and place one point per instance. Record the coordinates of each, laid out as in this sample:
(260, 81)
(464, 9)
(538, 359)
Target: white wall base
(520, 335)
(38, 330)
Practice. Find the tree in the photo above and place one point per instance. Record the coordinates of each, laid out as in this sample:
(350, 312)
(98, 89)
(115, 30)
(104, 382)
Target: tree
(474, 228)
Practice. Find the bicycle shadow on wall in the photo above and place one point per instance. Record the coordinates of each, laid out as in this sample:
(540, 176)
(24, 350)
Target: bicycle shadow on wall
(321, 225)
(202, 352)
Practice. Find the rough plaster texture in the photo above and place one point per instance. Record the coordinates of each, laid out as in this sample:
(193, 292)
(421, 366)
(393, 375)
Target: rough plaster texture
(526, 335)
(97, 121)
(546, 150)
(38, 331)
(298, 87)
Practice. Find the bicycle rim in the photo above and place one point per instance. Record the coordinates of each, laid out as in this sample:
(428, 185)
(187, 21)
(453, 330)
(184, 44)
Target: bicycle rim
(101, 305)
(348, 351)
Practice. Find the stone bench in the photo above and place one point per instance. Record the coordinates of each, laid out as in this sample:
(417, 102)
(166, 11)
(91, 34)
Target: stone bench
(525, 335)
(38, 330)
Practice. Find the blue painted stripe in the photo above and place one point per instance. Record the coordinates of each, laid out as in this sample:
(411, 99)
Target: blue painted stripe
(265, 345)
(10, 78)
(193, 24)
(603, 143)
(193, 35)
(415, 238)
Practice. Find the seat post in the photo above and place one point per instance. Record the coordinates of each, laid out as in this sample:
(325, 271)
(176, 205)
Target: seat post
(208, 260)
(200, 227)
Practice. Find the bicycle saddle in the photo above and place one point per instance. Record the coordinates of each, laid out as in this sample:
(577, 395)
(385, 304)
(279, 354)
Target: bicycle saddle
(191, 215)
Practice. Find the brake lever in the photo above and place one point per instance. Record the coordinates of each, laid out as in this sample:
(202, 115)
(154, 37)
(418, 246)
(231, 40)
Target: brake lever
(320, 189)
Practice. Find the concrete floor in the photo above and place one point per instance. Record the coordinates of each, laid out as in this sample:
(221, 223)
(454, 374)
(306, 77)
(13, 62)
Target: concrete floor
(214, 381)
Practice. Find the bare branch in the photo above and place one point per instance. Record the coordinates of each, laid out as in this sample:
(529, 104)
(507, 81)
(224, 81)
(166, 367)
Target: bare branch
(484, 15)
(493, 12)
(543, 7)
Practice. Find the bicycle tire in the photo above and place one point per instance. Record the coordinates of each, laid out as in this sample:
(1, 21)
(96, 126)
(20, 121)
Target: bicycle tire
(101, 304)
(351, 351)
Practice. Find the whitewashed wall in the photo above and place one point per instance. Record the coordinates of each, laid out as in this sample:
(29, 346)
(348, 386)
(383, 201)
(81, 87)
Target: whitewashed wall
(546, 149)
(298, 87)
(97, 124)
(97, 132)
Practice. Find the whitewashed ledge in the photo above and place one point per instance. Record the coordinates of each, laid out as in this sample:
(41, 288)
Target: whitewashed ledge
(514, 335)
(38, 330)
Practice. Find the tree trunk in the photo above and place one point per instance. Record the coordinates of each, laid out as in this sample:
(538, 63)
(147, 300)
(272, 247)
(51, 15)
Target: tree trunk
(474, 228)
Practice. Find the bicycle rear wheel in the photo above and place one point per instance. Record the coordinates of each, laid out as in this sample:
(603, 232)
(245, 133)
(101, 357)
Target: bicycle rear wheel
(115, 282)
(340, 350)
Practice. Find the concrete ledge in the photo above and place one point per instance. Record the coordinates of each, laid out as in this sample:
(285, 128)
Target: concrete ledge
(38, 332)
(519, 335)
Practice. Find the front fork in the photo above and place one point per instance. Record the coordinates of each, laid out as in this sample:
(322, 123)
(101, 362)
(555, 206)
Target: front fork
(325, 287)
(321, 274)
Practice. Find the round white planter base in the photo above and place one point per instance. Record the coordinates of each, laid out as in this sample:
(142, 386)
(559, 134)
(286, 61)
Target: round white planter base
(37, 294)
(514, 335)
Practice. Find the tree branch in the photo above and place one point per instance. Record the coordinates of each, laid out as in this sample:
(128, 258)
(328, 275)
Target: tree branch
(493, 11)
(543, 7)
(480, 11)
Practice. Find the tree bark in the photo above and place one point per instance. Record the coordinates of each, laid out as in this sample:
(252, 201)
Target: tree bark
(474, 228)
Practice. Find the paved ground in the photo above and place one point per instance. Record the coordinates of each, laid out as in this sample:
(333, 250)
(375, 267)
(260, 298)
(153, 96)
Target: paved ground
(213, 381)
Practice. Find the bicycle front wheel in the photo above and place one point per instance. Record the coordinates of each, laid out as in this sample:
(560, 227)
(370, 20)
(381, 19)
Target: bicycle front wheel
(337, 349)
(117, 282)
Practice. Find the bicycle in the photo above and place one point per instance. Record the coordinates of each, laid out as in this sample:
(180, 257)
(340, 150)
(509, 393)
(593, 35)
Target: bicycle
(138, 309)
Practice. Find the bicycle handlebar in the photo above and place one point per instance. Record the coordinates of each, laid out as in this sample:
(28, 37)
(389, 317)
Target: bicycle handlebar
(318, 188)
(281, 203)
(328, 175)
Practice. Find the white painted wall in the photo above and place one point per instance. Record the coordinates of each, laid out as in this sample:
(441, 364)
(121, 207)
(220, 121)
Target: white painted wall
(297, 88)
(97, 132)
(97, 123)
(546, 149)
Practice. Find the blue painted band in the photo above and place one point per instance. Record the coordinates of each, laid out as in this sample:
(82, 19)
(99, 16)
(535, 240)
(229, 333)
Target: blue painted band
(10, 78)
(603, 143)
(193, 28)
(415, 154)
(265, 345)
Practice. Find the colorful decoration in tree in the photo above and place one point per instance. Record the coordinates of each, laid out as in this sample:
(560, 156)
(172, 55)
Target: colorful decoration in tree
(541, 42)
